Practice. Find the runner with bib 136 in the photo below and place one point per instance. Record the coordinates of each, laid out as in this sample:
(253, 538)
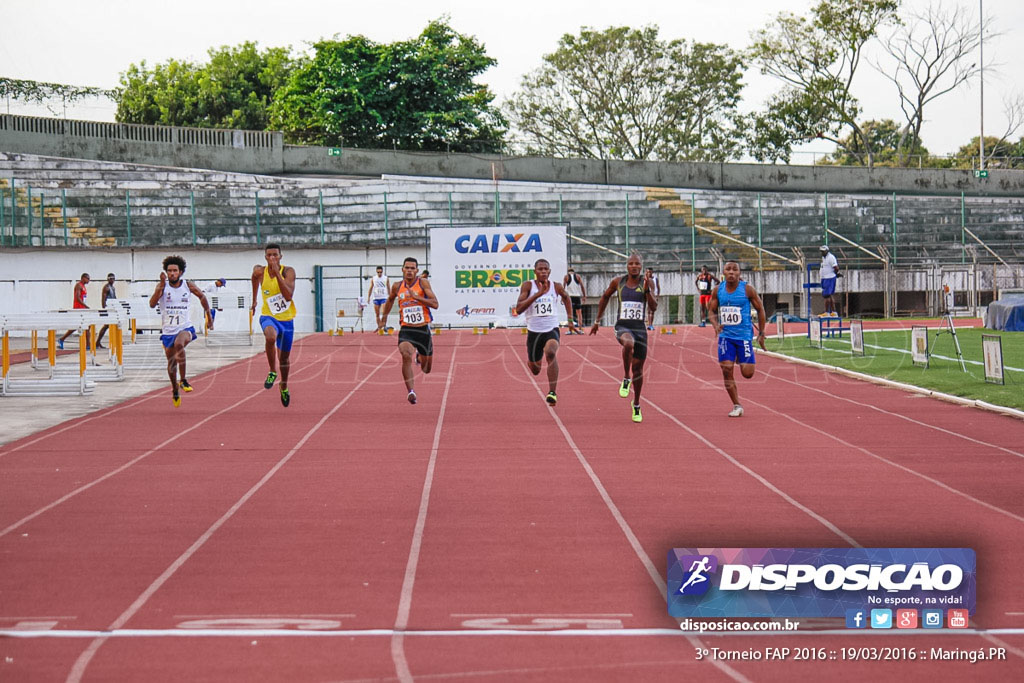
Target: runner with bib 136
(415, 299)
(729, 312)
(636, 296)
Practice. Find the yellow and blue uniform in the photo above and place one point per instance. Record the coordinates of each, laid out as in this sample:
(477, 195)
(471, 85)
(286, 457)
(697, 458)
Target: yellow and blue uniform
(277, 312)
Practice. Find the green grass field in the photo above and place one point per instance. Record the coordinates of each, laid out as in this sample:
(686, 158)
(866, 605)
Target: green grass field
(887, 354)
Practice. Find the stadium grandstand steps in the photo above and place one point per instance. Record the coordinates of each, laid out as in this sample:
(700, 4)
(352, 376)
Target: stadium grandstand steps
(85, 203)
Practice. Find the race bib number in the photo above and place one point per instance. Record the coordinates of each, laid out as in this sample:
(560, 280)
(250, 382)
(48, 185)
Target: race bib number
(730, 315)
(543, 308)
(702, 285)
(631, 310)
(277, 304)
(413, 315)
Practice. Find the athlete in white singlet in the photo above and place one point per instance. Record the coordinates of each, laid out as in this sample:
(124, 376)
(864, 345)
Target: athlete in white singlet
(538, 299)
(173, 294)
(378, 293)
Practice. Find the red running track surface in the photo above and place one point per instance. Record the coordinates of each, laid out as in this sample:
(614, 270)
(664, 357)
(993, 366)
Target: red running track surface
(480, 534)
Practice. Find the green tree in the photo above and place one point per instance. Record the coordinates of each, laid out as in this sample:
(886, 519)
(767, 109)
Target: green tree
(233, 90)
(999, 153)
(418, 94)
(817, 59)
(622, 93)
(885, 138)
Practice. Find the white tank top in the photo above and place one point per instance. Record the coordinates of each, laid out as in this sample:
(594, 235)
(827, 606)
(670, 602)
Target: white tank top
(174, 304)
(540, 316)
(380, 287)
(573, 288)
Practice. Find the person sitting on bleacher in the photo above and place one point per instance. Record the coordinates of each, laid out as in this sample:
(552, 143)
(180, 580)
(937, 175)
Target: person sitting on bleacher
(828, 274)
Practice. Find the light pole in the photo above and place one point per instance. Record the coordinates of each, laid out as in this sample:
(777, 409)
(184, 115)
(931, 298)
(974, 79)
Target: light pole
(981, 72)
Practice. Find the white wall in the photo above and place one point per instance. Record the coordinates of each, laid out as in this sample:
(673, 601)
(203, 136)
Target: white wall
(43, 279)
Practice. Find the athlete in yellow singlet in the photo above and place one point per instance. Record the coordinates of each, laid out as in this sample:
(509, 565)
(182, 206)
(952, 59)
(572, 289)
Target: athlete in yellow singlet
(277, 317)
(415, 299)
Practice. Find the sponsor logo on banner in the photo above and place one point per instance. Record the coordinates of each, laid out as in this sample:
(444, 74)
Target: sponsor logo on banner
(466, 311)
(487, 279)
(498, 242)
(818, 582)
(477, 271)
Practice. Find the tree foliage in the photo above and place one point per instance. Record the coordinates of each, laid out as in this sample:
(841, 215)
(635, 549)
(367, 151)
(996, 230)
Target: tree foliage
(418, 94)
(817, 59)
(39, 92)
(623, 93)
(888, 142)
(933, 53)
(233, 89)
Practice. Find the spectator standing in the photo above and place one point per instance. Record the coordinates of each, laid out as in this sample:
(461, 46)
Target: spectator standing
(79, 302)
(828, 274)
(705, 287)
(573, 285)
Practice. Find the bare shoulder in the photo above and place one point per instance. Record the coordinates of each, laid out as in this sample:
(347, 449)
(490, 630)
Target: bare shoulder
(258, 270)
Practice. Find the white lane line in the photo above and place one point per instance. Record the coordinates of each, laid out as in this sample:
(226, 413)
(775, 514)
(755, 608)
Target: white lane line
(78, 669)
(947, 432)
(81, 489)
(767, 484)
(871, 454)
(405, 601)
(476, 633)
(103, 412)
(634, 542)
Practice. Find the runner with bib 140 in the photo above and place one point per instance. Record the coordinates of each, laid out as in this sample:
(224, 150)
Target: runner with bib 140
(729, 312)
(635, 297)
(415, 299)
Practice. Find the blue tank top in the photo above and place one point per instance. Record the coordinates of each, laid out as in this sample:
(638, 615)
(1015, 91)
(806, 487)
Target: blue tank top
(734, 312)
(632, 304)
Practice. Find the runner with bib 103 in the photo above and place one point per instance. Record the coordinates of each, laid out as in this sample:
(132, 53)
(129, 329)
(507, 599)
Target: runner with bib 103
(415, 299)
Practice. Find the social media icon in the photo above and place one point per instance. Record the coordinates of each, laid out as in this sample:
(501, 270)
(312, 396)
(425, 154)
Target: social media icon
(881, 618)
(957, 618)
(906, 618)
(931, 618)
(856, 618)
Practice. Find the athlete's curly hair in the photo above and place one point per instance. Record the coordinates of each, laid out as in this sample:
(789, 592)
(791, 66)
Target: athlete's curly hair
(175, 261)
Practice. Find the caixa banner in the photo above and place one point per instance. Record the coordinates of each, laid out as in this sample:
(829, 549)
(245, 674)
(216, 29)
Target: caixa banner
(476, 272)
(816, 582)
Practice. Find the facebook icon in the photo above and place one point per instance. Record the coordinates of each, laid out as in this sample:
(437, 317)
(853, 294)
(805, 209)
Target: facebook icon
(856, 618)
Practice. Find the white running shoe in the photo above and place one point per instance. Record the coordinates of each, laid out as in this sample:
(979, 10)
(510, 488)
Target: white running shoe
(737, 411)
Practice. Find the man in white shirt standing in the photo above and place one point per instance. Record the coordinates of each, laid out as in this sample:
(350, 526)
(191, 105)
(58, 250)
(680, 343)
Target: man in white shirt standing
(380, 286)
(828, 274)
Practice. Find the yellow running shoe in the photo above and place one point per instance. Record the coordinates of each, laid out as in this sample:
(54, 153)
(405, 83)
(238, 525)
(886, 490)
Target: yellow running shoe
(624, 389)
(185, 386)
(637, 416)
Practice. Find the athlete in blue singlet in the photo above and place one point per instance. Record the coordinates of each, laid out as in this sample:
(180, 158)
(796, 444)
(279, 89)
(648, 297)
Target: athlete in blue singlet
(729, 312)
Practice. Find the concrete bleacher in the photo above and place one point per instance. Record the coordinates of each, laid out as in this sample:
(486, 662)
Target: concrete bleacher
(86, 204)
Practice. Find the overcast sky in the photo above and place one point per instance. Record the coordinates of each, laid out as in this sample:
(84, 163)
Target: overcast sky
(85, 42)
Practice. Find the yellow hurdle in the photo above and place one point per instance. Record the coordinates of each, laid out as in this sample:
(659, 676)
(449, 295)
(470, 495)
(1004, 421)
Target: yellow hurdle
(437, 331)
(668, 330)
(51, 347)
(5, 363)
(526, 331)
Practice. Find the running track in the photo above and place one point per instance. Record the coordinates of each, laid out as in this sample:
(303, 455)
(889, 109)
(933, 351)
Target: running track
(479, 535)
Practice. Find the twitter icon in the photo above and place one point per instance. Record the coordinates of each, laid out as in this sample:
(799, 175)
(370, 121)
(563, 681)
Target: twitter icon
(881, 618)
